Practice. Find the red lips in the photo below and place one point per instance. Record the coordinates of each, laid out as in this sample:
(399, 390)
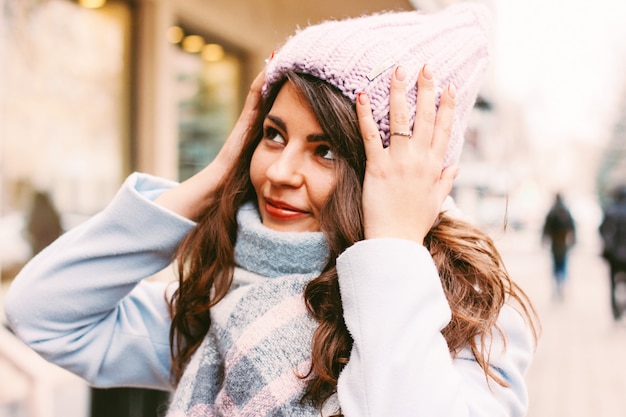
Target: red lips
(282, 211)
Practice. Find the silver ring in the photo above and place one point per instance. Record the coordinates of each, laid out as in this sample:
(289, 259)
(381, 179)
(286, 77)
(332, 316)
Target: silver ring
(407, 134)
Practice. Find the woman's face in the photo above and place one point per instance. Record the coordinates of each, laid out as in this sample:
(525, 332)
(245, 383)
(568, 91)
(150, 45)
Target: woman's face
(293, 167)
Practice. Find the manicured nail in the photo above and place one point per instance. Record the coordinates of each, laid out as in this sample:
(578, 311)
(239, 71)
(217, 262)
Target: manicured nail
(400, 73)
(427, 72)
(451, 90)
(271, 57)
(362, 98)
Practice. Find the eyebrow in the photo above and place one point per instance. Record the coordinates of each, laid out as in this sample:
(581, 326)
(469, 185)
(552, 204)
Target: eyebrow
(316, 137)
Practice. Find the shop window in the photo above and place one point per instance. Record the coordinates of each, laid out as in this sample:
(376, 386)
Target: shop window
(207, 87)
(64, 104)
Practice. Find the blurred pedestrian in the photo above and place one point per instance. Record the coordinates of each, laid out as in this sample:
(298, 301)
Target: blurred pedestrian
(613, 232)
(43, 223)
(560, 231)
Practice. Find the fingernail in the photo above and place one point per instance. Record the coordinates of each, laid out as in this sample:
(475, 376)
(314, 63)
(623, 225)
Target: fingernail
(362, 98)
(451, 90)
(400, 73)
(271, 57)
(427, 72)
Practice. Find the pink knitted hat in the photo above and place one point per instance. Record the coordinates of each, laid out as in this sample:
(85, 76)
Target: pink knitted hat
(359, 55)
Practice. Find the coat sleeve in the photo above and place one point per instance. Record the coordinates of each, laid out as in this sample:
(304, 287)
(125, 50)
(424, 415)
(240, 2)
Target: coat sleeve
(82, 302)
(400, 365)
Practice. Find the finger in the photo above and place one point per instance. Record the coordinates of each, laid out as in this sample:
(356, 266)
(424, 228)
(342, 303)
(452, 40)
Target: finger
(446, 182)
(444, 122)
(399, 127)
(250, 106)
(369, 129)
(425, 111)
(232, 146)
(254, 95)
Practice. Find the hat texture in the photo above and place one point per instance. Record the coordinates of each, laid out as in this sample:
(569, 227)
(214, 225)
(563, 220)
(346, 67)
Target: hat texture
(359, 55)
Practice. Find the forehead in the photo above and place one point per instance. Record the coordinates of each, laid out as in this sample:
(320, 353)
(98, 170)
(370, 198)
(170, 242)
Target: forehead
(292, 107)
(290, 94)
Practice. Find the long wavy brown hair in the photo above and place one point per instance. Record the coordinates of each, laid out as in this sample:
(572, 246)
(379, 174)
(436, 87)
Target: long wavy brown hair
(472, 273)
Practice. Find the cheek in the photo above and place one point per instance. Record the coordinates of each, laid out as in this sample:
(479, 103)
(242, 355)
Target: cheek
(257, 171)
(322, 188)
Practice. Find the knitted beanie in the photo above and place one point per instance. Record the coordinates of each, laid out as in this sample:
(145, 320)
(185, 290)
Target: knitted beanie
(359, 55)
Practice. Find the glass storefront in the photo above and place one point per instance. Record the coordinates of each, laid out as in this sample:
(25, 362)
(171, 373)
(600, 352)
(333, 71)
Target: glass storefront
(207, 87)
(64, 128)
(68, 124)
(64, 106)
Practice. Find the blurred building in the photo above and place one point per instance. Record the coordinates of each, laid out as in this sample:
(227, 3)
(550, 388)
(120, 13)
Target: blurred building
(496, 184)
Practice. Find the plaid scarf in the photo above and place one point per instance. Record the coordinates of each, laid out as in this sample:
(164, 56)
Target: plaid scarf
(258, 348)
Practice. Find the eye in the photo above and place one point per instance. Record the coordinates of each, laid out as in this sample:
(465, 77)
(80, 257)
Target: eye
(325, 152)
(272, 134)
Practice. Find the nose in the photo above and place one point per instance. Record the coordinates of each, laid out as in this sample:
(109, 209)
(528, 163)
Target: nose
(286, 169)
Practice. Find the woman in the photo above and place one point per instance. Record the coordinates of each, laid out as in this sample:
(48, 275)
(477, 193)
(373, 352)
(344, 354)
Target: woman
(311, 282)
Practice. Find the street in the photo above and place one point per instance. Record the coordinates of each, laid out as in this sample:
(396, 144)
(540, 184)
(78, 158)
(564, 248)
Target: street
(580, 365)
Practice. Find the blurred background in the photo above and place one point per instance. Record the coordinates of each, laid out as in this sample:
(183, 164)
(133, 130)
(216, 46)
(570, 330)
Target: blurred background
(93, 90)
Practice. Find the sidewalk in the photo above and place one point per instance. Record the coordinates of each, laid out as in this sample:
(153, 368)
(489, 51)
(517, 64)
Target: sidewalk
(580, 365)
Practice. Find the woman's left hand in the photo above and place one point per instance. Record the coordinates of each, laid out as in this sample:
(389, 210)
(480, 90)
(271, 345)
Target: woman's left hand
(405, 184)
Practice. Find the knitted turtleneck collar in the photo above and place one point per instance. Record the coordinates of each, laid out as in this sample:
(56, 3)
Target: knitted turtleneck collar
(274, 254)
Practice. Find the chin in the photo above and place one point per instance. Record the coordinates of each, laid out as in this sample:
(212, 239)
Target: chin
(294, 227)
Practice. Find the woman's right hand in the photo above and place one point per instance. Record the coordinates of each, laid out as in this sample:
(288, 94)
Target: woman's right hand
(192, 195)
